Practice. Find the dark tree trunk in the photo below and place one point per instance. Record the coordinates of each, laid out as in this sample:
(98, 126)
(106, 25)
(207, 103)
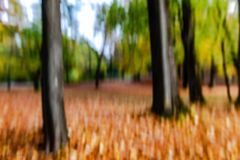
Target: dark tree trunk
(213, 71)
(9, 77)
(225, 72)
(238, 59)
(36, 79)
(67, 69)
(188, 37)
(161, 76)
(98, 70)
(54, 121)
(9, 67)
(185, 71)
(137, 77)
(110, 67)
(202, 82)
(179, 72)
(123, 74)
(99, 62)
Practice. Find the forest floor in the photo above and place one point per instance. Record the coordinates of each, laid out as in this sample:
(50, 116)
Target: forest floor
(115, 123)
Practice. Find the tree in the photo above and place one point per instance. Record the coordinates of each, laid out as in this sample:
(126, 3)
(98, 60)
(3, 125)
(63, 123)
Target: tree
(213, 71)
(54, 121)
(101, 25)
(31, 48)
(225, 72)
(188, 39)
(69, 12)
(165, 89)
(237, 64)
(229, 39)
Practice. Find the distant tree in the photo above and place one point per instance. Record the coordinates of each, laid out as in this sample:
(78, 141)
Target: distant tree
(101, 25)
(225, 72)
(229, 39)
(31, 48)
(165, 89)
(213, 71)
(69, 15)
(54, 121)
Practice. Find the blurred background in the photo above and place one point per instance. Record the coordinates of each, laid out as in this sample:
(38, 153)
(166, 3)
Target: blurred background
(112, 37)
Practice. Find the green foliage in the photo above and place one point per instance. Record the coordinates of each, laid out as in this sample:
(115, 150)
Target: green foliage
(132, 54)
(209, 32)
(126, 27)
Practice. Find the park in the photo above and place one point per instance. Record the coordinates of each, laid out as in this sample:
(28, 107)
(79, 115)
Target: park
(112, 79)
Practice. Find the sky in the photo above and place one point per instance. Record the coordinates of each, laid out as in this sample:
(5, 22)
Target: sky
(86, 17)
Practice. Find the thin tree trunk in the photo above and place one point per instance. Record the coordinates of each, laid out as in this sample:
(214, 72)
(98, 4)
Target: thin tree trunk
(98, 70)
(54, 121)
(99, 61)
(67, 72)
(137, 77)
(179, 72)
(185, 72)
(36, 79)
(188, 37)
(9, 67)
(225, 72)
(212, 73)
(9, 77)
(122, 74)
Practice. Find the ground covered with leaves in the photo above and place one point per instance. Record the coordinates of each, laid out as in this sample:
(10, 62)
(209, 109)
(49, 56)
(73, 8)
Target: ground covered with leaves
(115, 123)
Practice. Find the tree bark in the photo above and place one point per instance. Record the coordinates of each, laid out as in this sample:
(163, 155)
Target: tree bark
(188, 38)
(212, 73)
(185, 71)
(9, 77)
(36, 79)
(225, 72)
(238, 59)
(162, 89)
(99, 61)
(67, 70)
(54, 121)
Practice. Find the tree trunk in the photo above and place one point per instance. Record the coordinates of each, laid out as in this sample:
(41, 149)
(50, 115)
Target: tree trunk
(98, 70)
(122, 74)
(9, 77)
(99, 61)
(179, 72)
(54, 121)
(188, 37)
(36, 79)
(67, 72)
(177, 103)
(238, 58)
(162, 89)
(185, 71)
(137, 77)
(212, 73)
(225, 72)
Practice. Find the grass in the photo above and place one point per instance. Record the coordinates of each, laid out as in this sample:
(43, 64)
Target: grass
(115, 123)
